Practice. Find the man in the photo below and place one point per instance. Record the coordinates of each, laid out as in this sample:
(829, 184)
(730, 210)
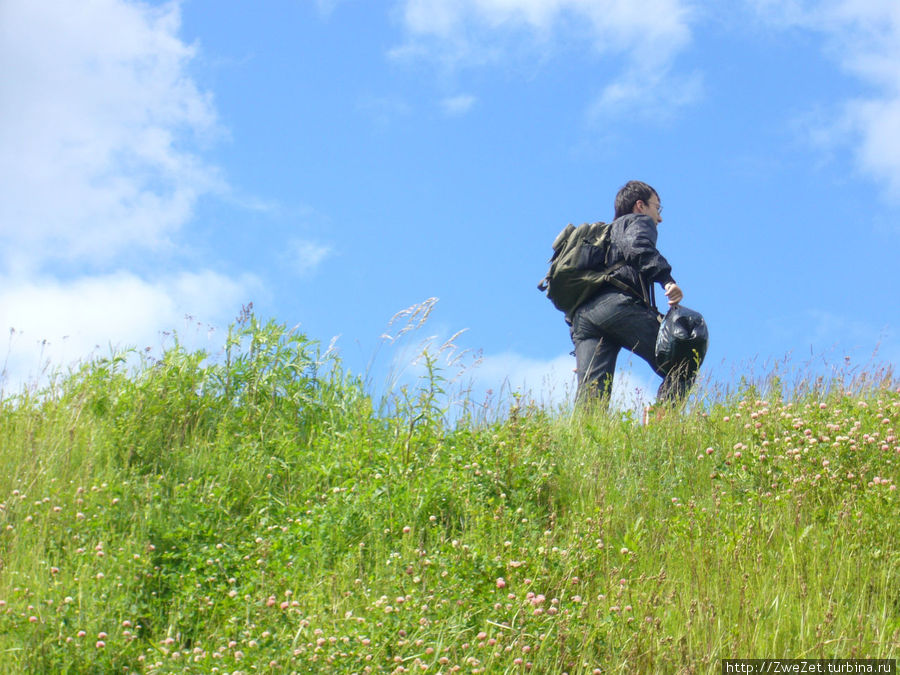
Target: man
(615, 319)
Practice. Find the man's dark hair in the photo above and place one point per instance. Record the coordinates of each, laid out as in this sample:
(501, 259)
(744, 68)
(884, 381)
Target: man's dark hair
(631, 193)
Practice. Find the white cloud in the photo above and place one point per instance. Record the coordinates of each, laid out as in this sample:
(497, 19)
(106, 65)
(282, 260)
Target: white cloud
(306, 256)
(383, 110)
(610, 24)
(860, 341)
(326, 7)
(475, 377)
(96, 110)
(628, 94)
(63, 322)
(645, 36)
(877, 123)
(863, 37)
(101, 136)
(458, 105)
(822, 342)
(552, 382)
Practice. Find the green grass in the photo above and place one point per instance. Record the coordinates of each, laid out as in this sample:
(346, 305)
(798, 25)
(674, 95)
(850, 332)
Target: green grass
(259, 512)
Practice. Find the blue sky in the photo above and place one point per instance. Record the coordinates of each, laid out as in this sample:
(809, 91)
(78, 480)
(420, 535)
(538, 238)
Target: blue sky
(337, 161)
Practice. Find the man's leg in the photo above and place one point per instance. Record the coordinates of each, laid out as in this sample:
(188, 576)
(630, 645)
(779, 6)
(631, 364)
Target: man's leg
(622, 321)
(644, 327)
(595, 365)
(677, 383)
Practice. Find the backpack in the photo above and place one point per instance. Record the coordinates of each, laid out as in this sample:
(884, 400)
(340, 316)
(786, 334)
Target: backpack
(578, 266)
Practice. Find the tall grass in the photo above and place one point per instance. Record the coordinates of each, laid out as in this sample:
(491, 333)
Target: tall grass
(258, 511)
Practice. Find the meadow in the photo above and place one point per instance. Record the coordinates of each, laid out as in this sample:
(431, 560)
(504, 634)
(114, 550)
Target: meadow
(258, 510)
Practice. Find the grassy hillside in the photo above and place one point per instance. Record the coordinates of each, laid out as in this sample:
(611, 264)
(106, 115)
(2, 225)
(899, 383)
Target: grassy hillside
(258, 512)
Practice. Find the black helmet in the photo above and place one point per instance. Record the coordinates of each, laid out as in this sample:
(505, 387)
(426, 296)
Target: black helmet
(682, 338)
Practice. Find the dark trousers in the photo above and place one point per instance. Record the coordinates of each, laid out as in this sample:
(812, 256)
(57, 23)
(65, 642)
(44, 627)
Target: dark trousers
(613, 321)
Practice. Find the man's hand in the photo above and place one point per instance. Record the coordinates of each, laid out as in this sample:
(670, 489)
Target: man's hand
(673, 293)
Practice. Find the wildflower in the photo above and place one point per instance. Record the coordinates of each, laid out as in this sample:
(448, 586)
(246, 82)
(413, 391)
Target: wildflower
(501, 582)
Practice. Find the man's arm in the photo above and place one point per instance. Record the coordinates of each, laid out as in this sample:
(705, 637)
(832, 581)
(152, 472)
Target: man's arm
(641, 252)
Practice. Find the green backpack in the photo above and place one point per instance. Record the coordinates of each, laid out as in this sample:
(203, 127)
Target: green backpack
(578, 266)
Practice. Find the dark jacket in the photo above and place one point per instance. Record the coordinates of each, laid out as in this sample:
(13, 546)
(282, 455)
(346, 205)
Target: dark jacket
(633, 239)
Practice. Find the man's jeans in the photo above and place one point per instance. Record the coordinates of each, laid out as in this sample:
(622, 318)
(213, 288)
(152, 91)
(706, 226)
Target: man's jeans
(612, 321)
